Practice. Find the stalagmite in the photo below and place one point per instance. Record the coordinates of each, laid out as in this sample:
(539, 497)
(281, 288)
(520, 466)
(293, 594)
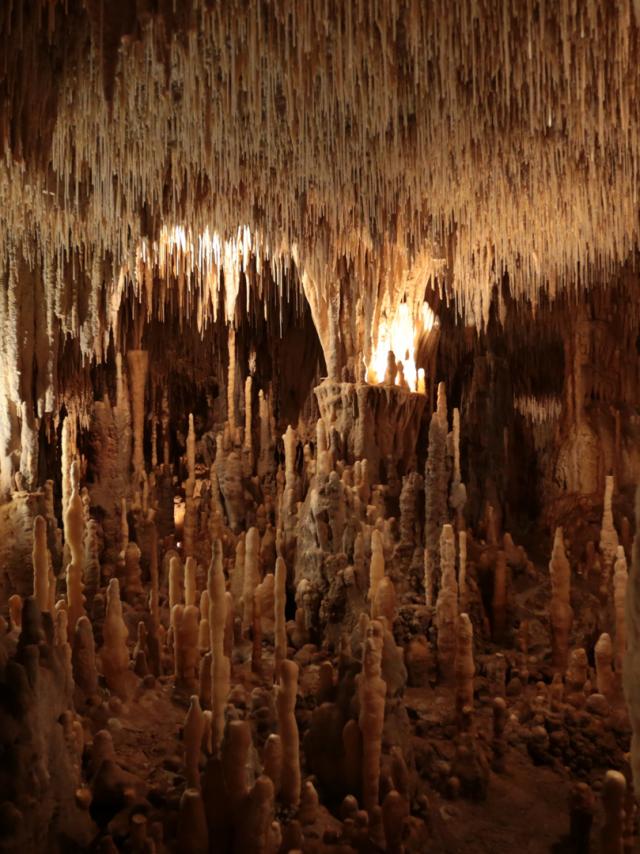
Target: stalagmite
(220, 664)
(191, 458)
(264, 235)
(255, 831)
(323, 456)
(248, 429)
(186, 649)
(175, 582)
(446, 616)
(464, 665)
(280, 641)
(193, 733)
(237, 576)
(435, 484)
(68, 449)
(560, 611)
(631, 663)
(264, 460)
(384, 604)
(620, 577)
(613, 794)
(458, 493)
(231, 378)
(272, 761)
(190, 581)
(251, 576)
(74, 532)
(286, 694)
(40, 563)
(204, 632)
(371, 695)
(154, 593)
(608, 533)
(85, 673)
(376, 567)
(463, 593)
(132, 572)
(499, 599)
(193, 834)
(411, 484)
(114, 655)
(604, 658)
(92, 569)
(138, 362)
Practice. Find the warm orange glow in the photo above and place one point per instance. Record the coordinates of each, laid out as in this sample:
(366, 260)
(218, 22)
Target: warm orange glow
(400, 335)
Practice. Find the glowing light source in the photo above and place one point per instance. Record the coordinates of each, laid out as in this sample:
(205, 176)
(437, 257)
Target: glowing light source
(401, 335)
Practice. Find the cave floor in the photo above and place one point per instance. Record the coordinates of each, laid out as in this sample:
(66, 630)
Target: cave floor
(525, 810)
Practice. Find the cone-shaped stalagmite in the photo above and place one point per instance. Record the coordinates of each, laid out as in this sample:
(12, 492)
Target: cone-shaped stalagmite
(288, 730)
(74, 529)
(220, 664)
(40, 563)
(114, 654)
(225, 232)
(560, 611)
(446, 618)
(631, 663)
(371, 695)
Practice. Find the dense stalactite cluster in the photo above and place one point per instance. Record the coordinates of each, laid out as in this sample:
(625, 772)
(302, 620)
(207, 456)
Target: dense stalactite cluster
(141, 136)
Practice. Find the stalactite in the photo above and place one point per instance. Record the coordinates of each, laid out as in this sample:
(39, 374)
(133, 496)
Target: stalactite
(390, 193)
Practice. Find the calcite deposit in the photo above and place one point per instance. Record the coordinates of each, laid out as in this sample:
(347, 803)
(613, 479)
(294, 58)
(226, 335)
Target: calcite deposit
(319, 426)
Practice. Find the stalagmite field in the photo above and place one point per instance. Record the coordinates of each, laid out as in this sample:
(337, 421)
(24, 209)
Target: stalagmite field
(319, 426)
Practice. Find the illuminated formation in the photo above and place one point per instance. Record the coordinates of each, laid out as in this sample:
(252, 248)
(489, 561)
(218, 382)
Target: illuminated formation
(319, 426)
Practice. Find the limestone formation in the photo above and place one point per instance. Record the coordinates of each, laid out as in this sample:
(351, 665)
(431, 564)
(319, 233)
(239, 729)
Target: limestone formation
(371, 696)
(608, 534)
(114, 655)
(220, 664)
(288, 731)
(561, 613)
(74, 530)
(604, 672)
(40, 563)
(464, 665)
(280, 643)
(317, 320)
(193, 734)
(620, 577)
(446, 617)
